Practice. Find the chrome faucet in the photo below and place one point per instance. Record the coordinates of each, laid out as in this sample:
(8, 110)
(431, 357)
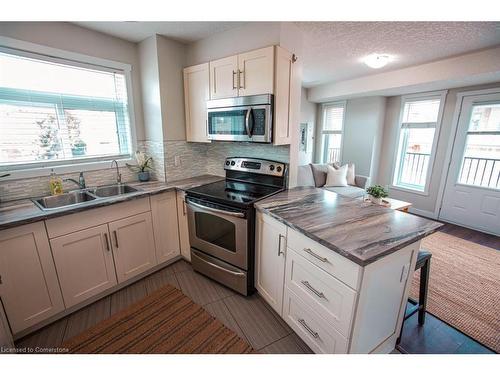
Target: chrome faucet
(81, 181)
(118, 174)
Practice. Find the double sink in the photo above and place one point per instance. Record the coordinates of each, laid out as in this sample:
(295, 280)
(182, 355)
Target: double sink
(79, 197)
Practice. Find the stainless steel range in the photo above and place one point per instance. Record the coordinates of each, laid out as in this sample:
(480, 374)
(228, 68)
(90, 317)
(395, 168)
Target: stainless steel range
(221, 219)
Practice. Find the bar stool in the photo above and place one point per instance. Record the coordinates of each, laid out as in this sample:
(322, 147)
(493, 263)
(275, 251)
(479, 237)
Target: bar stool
(423, 264)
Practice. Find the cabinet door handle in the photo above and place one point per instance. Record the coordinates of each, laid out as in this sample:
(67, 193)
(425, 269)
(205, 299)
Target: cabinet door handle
(184, 208)
(1, 282)
(116, 238)
(279, 245)
(308, 329)
(312, 289)
(235, 85)
(106, 239)
(309, 251)
(240, 72)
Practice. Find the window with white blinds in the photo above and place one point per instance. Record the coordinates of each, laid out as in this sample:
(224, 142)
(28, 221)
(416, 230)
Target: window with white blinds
(417, 141)
(331, 132)
(54, 112)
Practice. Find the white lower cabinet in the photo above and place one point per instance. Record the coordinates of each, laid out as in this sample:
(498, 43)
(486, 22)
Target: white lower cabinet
(6, 340)
(314, 330)
(84, 263)
(183, 226)
(133, 245)
(333, 304)
(165, 226)
(270, 255)
(29, 288)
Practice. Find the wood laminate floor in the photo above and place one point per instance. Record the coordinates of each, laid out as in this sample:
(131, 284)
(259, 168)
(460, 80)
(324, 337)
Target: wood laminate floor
(250, 317)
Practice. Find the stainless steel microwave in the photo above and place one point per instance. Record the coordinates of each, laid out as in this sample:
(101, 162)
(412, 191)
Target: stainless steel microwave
(244, 119)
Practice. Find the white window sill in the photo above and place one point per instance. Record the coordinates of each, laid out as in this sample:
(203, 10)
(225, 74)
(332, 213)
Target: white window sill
(408, 190)
(62, 169)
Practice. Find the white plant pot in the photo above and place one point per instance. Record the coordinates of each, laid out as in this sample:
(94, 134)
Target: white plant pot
(376, 200)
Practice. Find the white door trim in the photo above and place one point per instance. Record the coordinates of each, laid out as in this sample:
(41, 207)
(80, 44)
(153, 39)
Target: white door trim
(451, 142)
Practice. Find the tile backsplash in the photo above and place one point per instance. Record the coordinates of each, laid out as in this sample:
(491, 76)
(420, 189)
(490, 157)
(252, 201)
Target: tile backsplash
(193, 159)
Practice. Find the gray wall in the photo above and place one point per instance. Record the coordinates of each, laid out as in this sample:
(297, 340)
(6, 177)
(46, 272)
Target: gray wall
(362, 135)
(425, 204)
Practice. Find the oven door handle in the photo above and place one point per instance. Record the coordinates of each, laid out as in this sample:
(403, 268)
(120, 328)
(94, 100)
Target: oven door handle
(215, 210)
(247, 122)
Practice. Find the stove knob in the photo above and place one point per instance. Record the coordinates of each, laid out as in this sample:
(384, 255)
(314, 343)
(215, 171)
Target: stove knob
(233, 163)
(227, 162)
(271, 167)
(278, 169)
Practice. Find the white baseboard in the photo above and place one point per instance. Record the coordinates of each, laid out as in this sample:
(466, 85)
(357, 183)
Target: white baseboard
(428, 214)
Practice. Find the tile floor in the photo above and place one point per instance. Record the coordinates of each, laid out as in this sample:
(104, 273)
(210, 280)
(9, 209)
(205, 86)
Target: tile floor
(251, 318)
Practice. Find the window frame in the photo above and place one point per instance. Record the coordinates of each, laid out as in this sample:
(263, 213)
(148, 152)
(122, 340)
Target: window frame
(396, 165)
(39, 52)
(324, 107)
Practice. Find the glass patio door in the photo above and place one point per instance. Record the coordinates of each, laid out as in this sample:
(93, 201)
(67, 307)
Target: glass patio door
(472, 192)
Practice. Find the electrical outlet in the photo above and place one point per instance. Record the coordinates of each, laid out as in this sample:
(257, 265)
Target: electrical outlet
(177, 161)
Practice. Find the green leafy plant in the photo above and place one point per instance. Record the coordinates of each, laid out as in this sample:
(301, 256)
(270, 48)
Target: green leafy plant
(143, 162)
(377, 191)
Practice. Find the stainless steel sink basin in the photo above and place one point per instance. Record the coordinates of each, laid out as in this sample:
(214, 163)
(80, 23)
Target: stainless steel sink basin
(113, 190)
(64, 200)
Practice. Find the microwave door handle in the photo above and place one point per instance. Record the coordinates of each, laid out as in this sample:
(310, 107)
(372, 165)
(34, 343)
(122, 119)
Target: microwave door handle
(247, 122)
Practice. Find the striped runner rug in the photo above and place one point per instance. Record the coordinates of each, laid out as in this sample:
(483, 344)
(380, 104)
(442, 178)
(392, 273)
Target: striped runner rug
(165, 322)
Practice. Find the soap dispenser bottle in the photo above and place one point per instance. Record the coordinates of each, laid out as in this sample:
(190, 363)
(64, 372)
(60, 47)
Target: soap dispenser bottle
(55, 183)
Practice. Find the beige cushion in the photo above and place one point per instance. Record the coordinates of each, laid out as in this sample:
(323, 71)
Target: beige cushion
(319, 172)
(336, 177)
(351, 175)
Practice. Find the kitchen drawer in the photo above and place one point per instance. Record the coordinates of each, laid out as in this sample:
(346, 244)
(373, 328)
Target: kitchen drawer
(63, 225)
(316, 333)
(328, 297)
(342, 268)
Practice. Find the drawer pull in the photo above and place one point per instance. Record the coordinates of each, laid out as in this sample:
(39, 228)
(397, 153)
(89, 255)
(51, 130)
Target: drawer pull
(312, 289)
(308, 329)
(309, 251)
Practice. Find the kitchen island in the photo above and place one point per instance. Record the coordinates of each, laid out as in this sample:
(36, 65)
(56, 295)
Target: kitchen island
(337, 269)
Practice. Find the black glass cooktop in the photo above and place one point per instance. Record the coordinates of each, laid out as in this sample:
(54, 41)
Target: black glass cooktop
(233, 192)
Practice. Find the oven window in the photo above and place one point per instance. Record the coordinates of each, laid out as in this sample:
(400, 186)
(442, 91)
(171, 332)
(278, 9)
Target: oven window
(216, 230)
(227, 122)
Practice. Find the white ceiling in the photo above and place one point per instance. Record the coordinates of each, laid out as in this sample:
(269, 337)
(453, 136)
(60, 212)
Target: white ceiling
(333, 51)
(185, 32)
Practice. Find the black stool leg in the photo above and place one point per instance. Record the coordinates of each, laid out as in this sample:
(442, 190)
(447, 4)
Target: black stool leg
(422, 298)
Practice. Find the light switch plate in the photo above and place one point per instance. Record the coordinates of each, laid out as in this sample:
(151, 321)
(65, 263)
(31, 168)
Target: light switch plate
(177, 161)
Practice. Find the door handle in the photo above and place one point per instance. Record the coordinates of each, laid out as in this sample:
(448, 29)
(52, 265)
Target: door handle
(215, 210)
(116, 238)
(310, 252)
(235, 86)
(239, 79)
(312, 289)
(279, 245)
(247, 122)
(184, 208)
(308, 329)
(106, 239)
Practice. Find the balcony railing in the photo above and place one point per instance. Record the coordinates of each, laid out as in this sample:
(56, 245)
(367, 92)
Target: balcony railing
(484, 172)
(333, 154)
(414, 169)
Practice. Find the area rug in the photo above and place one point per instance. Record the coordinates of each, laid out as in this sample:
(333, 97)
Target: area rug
(165, 322)
(464, 287)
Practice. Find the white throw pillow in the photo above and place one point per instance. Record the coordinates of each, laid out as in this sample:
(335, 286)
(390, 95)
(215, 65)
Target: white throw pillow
(336, 177)
(351, 175)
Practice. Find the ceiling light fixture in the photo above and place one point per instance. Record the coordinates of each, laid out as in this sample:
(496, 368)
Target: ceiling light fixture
(377, 60)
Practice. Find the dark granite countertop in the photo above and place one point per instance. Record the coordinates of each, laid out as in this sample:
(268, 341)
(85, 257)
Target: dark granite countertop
(24, 211)
(360, 231)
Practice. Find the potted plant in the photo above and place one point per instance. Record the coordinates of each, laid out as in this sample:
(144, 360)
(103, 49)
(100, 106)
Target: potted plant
(78, 148)
(143, 166)
(377, 192)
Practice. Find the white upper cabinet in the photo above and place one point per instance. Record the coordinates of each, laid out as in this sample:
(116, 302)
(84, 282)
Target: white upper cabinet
(196, 94)
(165, 226)
(256, 72)
(224, 78)
(133, 245)
(29, 288)
(84, 263)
